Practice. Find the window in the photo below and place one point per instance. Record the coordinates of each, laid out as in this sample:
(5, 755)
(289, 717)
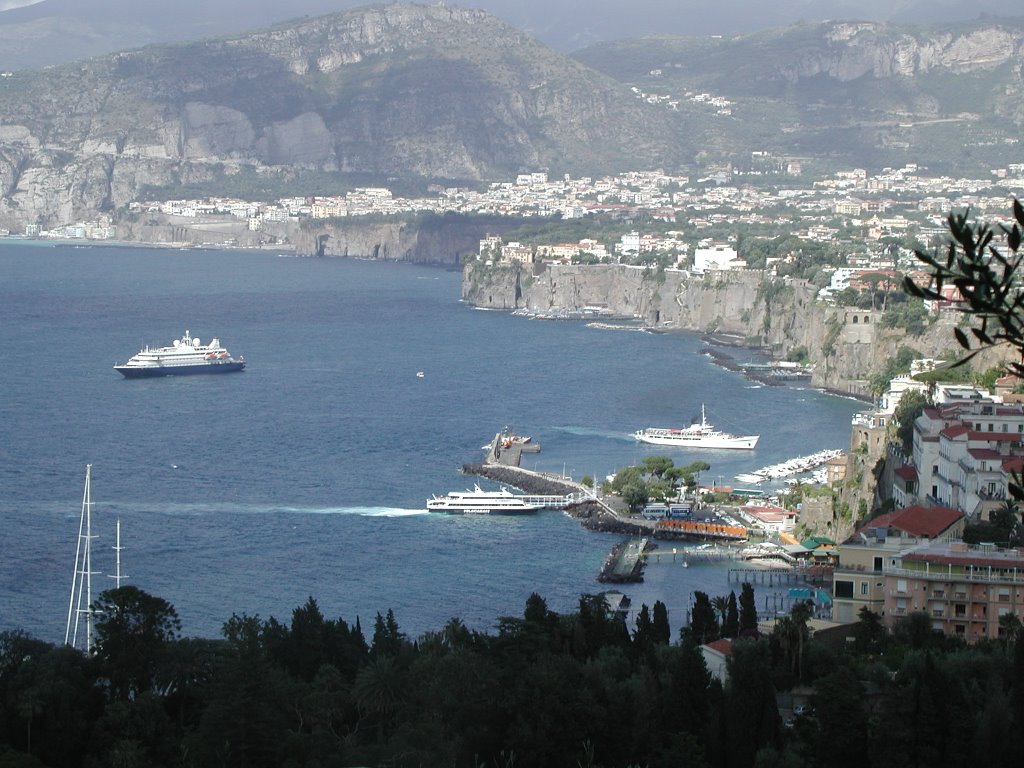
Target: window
(901, 586)
(878, 564)
(844, 588)
(864, 588)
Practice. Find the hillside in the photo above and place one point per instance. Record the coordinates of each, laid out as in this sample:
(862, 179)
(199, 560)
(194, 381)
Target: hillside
(860, 93)
(397, 91)
(409, 95)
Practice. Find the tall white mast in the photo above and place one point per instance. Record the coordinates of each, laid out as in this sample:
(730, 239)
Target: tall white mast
(118, 576)
(81, 581)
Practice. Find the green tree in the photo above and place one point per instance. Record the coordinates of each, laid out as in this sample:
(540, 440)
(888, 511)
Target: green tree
(660, 626)
(657, 465)
(635, 497)
(133, 630)
(731, 626)
(703, 620)
(868, 633)
(753, 714)
(748, 611)
(910, 406)
(841, 737)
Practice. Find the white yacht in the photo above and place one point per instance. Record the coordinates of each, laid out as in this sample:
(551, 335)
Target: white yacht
(701, 435)
(480, 502)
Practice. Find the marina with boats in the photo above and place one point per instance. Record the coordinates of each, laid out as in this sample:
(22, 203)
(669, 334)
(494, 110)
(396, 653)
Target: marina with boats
(791, 467)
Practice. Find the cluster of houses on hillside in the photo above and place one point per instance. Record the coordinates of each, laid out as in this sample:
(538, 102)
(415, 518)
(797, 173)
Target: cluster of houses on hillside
(967, 448)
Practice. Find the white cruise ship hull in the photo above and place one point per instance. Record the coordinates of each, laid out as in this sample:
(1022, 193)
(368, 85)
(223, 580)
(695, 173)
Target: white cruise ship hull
(480, 502)
(746, 443)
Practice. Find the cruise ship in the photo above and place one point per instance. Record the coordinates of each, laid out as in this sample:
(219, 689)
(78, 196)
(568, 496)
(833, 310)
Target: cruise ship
(480, 502)
(701, 435)
(184, 357)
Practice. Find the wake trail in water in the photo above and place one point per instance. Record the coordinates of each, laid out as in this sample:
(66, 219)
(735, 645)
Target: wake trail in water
(220, 508)
(587, 432)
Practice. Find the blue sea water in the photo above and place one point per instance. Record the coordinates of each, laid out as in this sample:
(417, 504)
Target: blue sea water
(307, 474)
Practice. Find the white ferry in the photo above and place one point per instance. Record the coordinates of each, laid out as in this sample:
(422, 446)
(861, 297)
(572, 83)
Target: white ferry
(701, 435)
(480, 502)
(186, 356)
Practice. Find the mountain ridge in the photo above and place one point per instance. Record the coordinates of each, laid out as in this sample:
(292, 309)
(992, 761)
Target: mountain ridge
(453, 94)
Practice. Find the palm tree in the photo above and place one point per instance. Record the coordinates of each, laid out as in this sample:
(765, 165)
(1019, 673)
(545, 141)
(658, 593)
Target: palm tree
(377, 689)
(721, 605)
(1010, 625)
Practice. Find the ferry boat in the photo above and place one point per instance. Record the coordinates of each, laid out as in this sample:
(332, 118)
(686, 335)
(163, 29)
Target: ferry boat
(480, 502)
(185, 356)
(701, 435)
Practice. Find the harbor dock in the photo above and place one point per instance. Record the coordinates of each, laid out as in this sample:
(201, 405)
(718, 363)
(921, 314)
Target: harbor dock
(625, 563)
(507, 449)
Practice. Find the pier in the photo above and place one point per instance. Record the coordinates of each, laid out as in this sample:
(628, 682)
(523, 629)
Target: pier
(702, 553)
(625, 563)
(508, 449)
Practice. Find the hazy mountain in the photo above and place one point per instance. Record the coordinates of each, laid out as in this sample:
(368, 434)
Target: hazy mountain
(397, 91)
(58, 31)
(439, 93)
(951, 96)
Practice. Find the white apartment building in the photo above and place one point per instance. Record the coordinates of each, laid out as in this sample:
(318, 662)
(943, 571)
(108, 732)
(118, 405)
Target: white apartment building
(963, 453)
(716, 256)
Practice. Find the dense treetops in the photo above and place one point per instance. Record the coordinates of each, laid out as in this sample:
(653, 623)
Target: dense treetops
(586, 688)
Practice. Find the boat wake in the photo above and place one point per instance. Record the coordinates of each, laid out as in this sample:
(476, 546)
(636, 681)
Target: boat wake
(588, 432)
(260, 509)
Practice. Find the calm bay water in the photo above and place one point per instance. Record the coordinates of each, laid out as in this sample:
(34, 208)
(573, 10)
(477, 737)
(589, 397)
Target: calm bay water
(307, 474)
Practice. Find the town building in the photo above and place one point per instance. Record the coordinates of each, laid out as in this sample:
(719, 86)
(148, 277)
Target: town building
(965, 590)
(858, 580)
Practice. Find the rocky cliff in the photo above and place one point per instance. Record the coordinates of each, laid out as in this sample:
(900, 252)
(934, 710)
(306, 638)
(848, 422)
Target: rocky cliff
(845, 346)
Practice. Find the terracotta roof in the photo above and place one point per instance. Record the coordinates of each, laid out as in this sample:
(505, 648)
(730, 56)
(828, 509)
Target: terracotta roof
(983, 453)
(955, 430)
(918, 521)
(722, 645)
(996, 437)
(1014, 464)
(908, 472)
(1013, 558)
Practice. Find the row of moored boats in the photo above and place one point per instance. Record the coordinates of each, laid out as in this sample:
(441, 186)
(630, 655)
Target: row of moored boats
(798, 466)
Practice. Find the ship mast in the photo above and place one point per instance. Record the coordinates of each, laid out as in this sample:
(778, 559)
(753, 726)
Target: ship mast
(81, 580)
(118, 576)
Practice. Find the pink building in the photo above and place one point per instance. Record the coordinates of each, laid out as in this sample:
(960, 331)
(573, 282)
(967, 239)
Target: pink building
(964, 589)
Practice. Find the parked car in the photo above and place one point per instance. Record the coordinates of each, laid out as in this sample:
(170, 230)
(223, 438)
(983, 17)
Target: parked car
(803, 710)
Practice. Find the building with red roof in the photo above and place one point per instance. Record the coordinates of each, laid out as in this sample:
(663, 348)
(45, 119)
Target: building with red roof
(960, 449)
(858, 580)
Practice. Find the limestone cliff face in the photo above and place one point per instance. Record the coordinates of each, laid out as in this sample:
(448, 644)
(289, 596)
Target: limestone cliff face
(437, 240)
(845, 346)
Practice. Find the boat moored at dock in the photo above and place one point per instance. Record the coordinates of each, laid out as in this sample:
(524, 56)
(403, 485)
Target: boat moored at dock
(186, 356)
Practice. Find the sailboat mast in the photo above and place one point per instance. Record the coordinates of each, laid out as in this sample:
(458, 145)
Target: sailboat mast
(82, 577)
(118, 576)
